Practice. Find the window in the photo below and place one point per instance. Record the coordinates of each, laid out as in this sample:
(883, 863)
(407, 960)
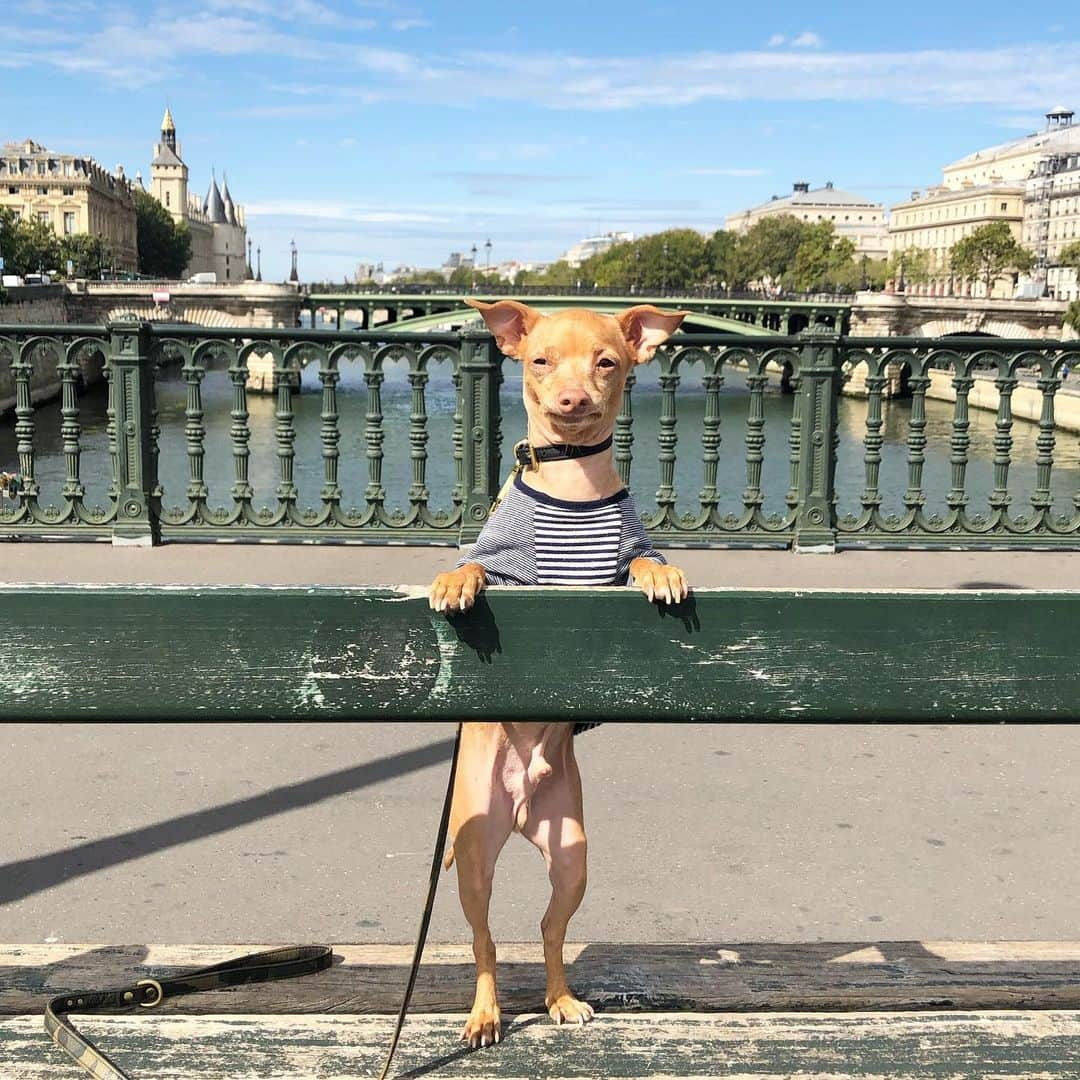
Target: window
(41, 168)
(42, 190)
(44, 217)
(69, 191)
(166, 198)
(1004, 206)
(69, 222)
(12, 189)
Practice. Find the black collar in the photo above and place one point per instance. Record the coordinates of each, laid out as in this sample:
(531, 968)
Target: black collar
(526, 454)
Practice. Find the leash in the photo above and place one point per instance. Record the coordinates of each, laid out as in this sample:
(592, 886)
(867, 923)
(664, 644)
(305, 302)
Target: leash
(283, 963)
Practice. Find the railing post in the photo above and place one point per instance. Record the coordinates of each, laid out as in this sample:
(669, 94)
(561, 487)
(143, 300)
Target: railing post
(132, 381)
(819, 385)
(479, 369)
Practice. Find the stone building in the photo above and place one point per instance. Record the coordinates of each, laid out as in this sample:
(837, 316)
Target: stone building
(1052, 210)
(595, 245)
(73, 195)
(216, 223)
(1015, 182)
(936, 219)
(854, 218)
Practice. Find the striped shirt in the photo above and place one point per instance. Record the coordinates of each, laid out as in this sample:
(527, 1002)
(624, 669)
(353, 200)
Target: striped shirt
(535, 539)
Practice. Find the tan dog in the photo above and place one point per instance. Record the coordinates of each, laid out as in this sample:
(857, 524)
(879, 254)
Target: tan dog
(582, 529)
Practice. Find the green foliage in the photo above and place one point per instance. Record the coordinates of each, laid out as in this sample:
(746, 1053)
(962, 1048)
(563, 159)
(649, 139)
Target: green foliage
(987, 253)
(1072, 315)
(164, 246)
(27, 245)
(557, 273)
(913, 266)
(1070, 255)
(88, 254)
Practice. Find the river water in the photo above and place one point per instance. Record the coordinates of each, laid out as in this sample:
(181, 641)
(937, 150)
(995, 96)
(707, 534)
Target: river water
(397, 470)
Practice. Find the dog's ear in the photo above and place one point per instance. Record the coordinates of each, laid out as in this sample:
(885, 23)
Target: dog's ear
(510, 321)
(646, 328)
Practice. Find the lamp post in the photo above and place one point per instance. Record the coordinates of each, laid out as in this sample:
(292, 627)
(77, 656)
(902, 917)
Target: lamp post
(664, 290)
(293, 275)
(473, 285)
(865, 280)
(901, 286)
(258, 263)
(487, 260)
(249, 270)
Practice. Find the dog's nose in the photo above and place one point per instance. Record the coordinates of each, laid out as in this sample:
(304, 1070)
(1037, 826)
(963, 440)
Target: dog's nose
(573, 401)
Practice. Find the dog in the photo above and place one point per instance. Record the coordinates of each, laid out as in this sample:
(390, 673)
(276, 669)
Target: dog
(571, 522)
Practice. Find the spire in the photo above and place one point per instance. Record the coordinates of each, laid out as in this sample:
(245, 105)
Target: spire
(215, 208)
(168, 130)
(226, 199)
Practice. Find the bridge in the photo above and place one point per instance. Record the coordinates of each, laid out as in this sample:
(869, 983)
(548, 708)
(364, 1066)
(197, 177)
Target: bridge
(186, 609)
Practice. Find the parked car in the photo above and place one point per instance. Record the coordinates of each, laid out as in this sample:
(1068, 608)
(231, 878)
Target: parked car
(12, 281)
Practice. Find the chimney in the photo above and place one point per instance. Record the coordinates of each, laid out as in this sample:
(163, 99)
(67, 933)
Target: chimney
(802, 186)
(828, 185)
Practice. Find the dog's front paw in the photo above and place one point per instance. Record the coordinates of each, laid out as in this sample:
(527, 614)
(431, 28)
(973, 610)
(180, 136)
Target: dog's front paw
(456, 589)
(484, 1026)
(566, 1009)
(659, 581)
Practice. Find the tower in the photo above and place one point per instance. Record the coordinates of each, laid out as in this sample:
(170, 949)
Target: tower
(168, 173)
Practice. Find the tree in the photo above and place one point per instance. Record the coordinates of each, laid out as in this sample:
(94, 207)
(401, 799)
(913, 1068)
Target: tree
(766, 252)
(27, 245)
(86, 252)
(164, 246)
(1072, 315)
(721, 256)
(821, 256)
(912, 266)
(1070, 255)
(987, 253)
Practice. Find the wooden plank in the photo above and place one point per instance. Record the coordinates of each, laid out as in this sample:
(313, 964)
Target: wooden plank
(752, 977)
(549, 654)
(871, 1046)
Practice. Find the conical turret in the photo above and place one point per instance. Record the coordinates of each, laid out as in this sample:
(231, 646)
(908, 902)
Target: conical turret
(214, 206)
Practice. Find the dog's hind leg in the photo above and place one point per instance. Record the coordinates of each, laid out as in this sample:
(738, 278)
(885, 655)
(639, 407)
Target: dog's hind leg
(556, 826)
(482, 819)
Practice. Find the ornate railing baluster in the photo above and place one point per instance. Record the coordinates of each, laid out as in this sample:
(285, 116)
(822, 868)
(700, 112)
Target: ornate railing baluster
(871, 496)
(68, 369)
(667, 438)
(239, 431)
(624, 431)
(960, 441)
(329, 432)
(915, 497)
(374, 493)
(755, 436)
(284, 430)
(1042, 499)
(711, 380)
(999, 497)
(457, 495)
(418, 436)
(194, 430)
(795, 444)
(22, 367)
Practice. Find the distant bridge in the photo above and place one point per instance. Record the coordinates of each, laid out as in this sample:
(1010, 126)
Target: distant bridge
(422, 309)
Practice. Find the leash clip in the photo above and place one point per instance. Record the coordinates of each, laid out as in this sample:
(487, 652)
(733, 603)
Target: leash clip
(160, 993)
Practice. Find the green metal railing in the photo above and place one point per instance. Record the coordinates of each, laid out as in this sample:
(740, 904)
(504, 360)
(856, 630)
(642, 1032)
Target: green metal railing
(816, 364)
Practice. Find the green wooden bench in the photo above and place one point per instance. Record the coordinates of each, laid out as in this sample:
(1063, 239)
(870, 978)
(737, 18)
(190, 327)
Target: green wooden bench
(321, 652)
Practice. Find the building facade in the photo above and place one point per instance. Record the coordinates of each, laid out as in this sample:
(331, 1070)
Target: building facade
(1052, 219)
(938, 218)
(594, 245)
(854, 218)
(217, 224)
(72, 195)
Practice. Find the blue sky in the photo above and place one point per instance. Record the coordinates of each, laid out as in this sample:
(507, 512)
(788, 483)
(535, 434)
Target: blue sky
(397, 131)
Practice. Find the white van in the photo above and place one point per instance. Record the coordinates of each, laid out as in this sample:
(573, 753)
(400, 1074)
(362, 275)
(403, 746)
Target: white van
(206, 277)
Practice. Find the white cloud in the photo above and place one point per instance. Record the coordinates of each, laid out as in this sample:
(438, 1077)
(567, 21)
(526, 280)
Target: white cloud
(724, 171)
(806, 40)
(777, 39)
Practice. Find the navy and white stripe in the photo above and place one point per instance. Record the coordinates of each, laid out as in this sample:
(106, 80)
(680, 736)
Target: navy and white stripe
(535, 539)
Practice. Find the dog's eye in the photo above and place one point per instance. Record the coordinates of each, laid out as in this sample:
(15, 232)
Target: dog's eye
(605, 362)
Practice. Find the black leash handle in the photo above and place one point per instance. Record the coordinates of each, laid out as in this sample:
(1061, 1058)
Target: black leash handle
(284, 963)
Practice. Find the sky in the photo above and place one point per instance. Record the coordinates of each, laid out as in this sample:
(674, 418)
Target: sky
(396, 131)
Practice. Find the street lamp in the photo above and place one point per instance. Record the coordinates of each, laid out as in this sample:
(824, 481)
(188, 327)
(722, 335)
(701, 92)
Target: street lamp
(901, 286)
(865, 280)
(258, 263)
(487, 261)
(665, 267)
(473, 285)
(293, 275)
